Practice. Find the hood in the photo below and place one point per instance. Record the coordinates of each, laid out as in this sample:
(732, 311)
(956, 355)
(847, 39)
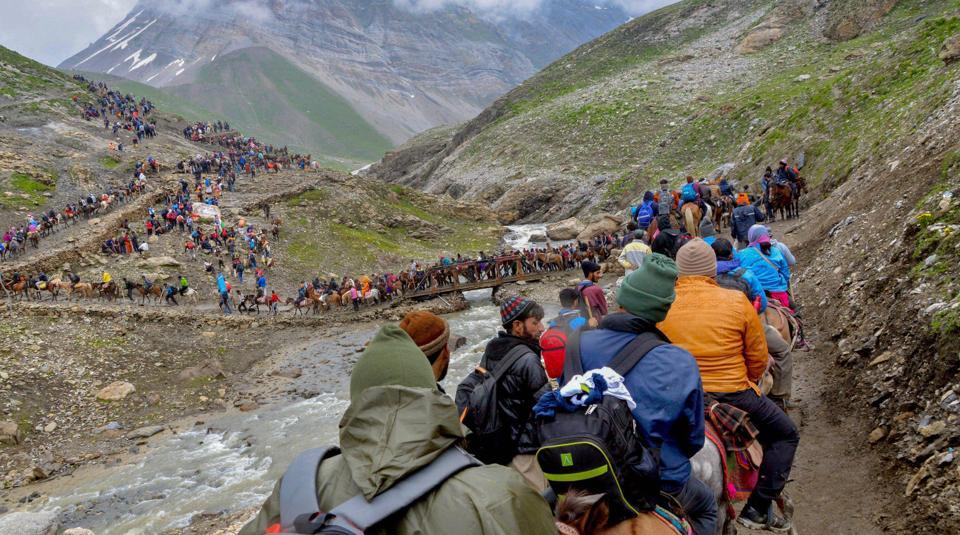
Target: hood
(726, 266)
(392, 431)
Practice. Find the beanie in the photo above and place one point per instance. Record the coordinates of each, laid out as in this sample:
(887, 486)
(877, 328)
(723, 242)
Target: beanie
(756, 231)
(513, 308)
(589, 267)
(707, 229)
(429, 331)
(697, 258)
(648, 292)
(391, 358)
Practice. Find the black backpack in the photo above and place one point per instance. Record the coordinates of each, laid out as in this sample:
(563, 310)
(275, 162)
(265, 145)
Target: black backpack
(598, 449)
(300, 512)
(476, 400)
(733, 280)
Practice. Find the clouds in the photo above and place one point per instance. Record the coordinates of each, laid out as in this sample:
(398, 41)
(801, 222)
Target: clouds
(52, 30)
(521, 7)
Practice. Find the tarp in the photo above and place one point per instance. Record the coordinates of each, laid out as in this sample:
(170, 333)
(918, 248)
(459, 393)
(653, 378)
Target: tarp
(207, 211)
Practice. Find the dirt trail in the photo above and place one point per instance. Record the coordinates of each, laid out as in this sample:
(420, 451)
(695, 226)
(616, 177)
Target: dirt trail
(836, 481)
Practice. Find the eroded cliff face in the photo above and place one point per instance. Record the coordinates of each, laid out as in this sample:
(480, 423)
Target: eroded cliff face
(403, 71)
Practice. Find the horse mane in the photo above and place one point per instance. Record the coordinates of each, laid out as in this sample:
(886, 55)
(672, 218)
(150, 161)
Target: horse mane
(589, 514)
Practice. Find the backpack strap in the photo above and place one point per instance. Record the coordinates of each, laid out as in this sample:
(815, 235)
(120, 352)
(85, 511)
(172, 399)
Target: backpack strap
(509, 360)
(632, 353)
(357, 514)
(298, 487)
(572, 365)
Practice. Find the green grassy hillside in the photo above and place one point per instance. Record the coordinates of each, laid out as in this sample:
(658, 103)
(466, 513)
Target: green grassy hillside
(263, 93)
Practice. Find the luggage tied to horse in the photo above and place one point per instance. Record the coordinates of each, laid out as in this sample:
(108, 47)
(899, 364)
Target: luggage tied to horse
(300, 513)
(731, 431)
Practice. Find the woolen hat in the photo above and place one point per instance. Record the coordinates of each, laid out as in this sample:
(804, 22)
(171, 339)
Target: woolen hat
(391, 359)
(648, 292)
(707, 229)
(513, 308)
(429, 331)
(697, 258)
(589, 267)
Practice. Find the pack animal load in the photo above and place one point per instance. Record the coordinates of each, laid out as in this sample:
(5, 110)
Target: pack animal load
(596, 447)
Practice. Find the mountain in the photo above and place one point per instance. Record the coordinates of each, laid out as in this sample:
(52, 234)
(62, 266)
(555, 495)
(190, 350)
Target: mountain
(381, 73)
(683, 90)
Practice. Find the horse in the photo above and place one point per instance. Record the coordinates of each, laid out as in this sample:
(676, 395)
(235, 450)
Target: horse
(21, 288)
(248, 303)
(801, 189)
(34, 238)
(82, 289)
(373, 294)
(192, 294)
(155, 291)
(691, 218)
(550, 261)
(275, 232)
(53, 287)
(781, 200)
(590, 515)
(306, 304)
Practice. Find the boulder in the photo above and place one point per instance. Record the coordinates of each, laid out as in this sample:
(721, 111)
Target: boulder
(78, 531)
(567, 229)
(29, 523)
(760, 38)
(289, 373)
(159, 261)
(145, 432)
(602, 224)
(950, 50)
(9, 433)
(456, 342)
(116, 391)
(209, 368)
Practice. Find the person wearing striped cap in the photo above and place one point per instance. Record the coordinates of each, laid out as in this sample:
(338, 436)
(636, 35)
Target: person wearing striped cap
(522, 383)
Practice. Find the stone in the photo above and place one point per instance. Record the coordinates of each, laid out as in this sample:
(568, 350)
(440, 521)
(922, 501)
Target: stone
(208, 334)
(208, 369)
(602, 224)
(78, 531)
(248, 405)
(456, 342)
(289, 373)
(932, 429)
(567, 229)
(94, 221)
(35, 473)
(930, 260)
(116, 391)
(950, 50)
(50, 427)
(158, 261)
(23, 523)
(802, 78)
(759, 39)
(145, 432)
(10, 433)
(877, 435)
(884, 357)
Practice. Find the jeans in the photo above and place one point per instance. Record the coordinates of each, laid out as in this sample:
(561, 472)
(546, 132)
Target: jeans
(225, 302)
(779, 438)
(699, 505)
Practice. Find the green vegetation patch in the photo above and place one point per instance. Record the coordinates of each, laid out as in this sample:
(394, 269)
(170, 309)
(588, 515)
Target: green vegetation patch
(28, 190)
(109, 162)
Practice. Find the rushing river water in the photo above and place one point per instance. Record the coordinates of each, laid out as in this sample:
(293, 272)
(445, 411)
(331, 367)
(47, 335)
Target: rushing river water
(233, 460)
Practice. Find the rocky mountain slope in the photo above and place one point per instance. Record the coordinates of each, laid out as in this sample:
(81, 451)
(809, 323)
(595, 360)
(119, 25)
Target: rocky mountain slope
(401, 70)
(690, 87)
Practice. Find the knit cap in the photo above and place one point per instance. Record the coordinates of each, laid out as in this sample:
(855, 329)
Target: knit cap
(648, 292)
(697, 258)
(429, 331)
(589, 267)
(707, 229)
(512, 308)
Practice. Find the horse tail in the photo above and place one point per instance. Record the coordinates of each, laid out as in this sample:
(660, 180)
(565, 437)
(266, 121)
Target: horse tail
(690, 223)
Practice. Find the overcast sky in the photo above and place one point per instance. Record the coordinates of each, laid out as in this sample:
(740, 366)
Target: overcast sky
(50, 31)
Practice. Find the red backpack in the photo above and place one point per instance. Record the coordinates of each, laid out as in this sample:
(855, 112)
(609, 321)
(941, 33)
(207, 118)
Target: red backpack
(553, 346)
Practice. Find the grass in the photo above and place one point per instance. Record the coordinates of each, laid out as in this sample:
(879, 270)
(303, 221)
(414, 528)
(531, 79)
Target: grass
(28, 190)
(109, 162)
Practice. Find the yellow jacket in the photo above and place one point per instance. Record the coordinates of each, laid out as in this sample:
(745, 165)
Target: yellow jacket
(633, 254)
(106, 278)
(723, 332)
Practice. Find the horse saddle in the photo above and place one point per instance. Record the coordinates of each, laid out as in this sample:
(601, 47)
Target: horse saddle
(41, 285)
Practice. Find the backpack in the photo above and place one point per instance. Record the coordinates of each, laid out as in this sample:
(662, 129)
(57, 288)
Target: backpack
(644, 215)
(476, 400)
(553, 346)
(733, 280)
(300, 511)
(665, 206)
(597, 449)
(743, 198)
(688, 193)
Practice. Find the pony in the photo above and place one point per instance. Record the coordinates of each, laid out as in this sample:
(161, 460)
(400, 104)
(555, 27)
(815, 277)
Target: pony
(781, 200)
(691, 218)
(155, 292)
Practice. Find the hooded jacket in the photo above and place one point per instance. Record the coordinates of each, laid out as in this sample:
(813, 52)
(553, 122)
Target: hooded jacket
(772, 270)
(520, 388)
(756, 289)
(743, 218)
(397, 423)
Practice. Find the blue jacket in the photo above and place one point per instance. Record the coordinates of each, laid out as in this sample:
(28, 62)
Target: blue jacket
(756, 289)
(221, 283)
(774, 275)
(743, 218)
(666, 386)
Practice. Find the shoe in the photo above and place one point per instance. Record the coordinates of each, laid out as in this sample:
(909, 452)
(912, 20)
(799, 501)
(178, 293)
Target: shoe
(750, 518)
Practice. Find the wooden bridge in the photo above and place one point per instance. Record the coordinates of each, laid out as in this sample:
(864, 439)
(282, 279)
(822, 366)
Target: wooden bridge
(502, 265)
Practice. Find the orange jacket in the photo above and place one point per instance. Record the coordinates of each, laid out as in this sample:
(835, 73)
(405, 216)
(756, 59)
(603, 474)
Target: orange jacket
(722, 330)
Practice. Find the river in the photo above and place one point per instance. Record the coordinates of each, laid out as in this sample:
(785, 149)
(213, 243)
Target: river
(232, 460)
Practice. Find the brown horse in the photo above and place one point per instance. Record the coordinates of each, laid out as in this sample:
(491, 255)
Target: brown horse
(781, 200)
(21, 288)
(303, 306)
(691, 218)
(590, 515)
(155, 291)
(81, 289)
(550, 261)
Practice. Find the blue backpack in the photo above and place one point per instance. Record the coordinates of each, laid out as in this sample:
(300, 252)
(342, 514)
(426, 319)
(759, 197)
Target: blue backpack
(644, 215)
(688, 193)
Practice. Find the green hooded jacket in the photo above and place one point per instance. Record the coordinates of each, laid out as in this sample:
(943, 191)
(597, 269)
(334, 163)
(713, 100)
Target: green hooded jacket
(397, 423)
